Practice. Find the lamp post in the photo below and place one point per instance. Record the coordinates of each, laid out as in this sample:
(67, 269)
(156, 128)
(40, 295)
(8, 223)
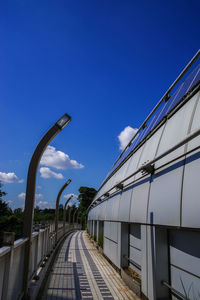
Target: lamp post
(74, 215)
(30, 191)
(77, 216)
(57, 206)
(64, 212)
(69, 216)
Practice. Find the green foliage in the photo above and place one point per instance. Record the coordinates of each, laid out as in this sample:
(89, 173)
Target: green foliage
(94, 237)
(85, 197)
(43, 215)
(12, 221)
(4, 208)
(100, 240)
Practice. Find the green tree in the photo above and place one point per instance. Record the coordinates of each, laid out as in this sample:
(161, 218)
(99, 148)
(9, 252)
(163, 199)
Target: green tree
(4, 208)
(85, 197)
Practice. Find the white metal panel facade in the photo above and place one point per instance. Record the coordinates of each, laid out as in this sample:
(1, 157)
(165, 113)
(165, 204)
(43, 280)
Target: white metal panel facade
(139, 201)
(185, 262)
(195, 124)
(133, 165)
(165, 195)
(176, 129)
(124, 205)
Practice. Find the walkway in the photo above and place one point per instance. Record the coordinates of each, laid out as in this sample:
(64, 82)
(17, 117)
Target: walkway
(81, 272)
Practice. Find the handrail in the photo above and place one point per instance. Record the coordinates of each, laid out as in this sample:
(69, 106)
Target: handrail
(175, 292)
(152, 162)
(191, 62)
(132, 262)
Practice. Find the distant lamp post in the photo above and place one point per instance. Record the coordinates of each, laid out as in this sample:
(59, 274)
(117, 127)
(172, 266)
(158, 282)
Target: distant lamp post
(74, 215)
(30, 190)
(69, 216)
(64, 211)
(57, 206)
(77, 216)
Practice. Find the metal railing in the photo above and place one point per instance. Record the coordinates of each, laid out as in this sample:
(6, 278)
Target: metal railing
(176, 293)
(12, 259)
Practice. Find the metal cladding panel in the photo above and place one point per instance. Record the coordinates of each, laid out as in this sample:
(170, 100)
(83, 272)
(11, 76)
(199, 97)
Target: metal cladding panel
(102, 210)
(150, 148)
(165, 195)
(104, 189)
(134, 159)
(90, 214)
(185, 251)
(184, 282)
(150, 261)
(107, 229)
(93, 214)
(195, 125)
(106, 246)
(135, 235)
(111, 242)
(139, 201)
(176, 129)
(135, 255)
(96, 213)
(144, 264)
(124, 205)
(114, 231)
(120, 174)
(112, 207)
(114, 253)
(191, 192)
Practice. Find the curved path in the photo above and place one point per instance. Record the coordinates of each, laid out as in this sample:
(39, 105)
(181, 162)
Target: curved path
(81, 272)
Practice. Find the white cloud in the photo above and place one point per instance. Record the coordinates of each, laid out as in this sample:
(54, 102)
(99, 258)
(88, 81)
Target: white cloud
(58, 160)
(9, 202)
(47, 173)
(73, 200)
(9, 178)
(44, 204)
(125, 136)
(23, 196)
(38, 196)
(68, 195)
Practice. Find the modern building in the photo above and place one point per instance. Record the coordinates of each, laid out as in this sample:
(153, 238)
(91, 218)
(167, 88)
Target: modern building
(147, 211)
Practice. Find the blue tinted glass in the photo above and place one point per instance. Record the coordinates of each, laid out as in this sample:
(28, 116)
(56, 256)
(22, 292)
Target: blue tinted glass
(196, 77)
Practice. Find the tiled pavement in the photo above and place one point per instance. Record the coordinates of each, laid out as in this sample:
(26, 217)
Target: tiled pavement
(81, 272)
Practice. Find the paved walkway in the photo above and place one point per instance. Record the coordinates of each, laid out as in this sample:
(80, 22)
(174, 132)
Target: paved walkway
(81, 272)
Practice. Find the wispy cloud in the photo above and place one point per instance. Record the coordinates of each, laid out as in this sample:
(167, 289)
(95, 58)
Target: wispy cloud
(59, 160)
(23, 196)
(44, 204)
(125, 136)
(10, 178)
(73, 200)
(47, 173)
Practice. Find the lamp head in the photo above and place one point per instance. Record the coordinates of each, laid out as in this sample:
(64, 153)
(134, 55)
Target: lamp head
(63, 121)
(68, 181)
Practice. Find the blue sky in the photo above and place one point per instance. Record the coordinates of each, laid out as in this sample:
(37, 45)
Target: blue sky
(106, 63)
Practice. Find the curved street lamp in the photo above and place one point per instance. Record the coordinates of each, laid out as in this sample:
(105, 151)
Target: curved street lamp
(74, 215)
(77, 216)
(69, 216)
(30, 191)
(57, 206)
(64, 211)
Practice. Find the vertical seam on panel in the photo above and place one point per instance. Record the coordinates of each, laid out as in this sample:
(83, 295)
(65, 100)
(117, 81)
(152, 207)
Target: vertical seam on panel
(185, 150)
(130, 204)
